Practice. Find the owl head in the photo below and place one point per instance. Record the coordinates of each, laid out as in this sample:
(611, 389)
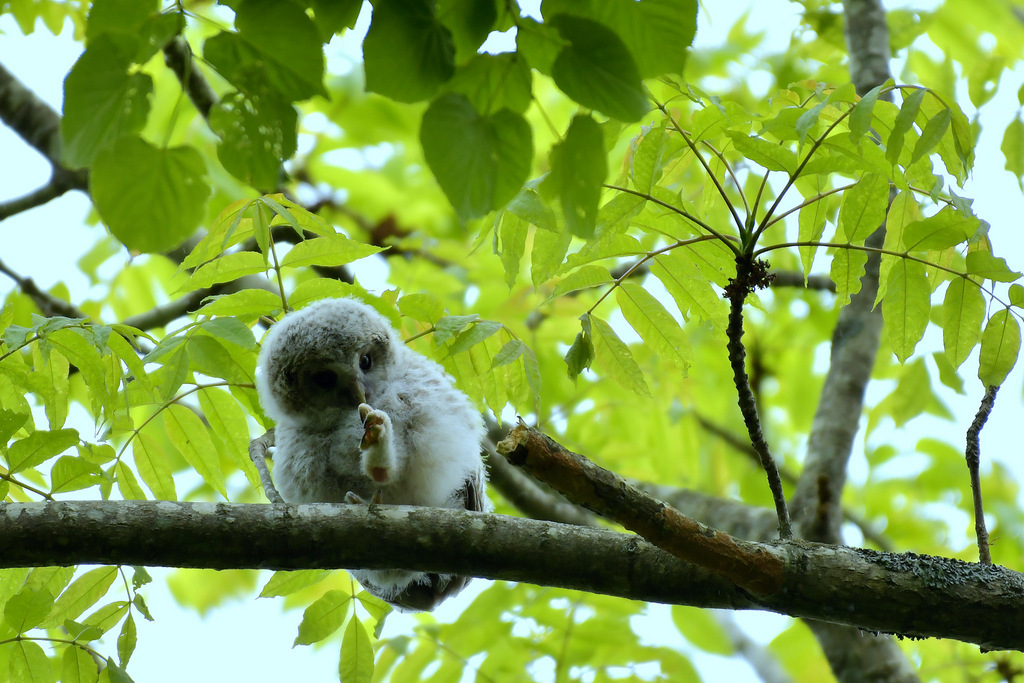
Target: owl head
(324, 360)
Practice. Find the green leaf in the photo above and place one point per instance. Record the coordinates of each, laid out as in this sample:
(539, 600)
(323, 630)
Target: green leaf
(151, 199)
(945, 229)
(247, 304)
(126, 640)
(863, 208)
(846, 271)
(257, 134)
(27, 609)
(73, 474)
(615, 357)
(931, 135)
(512, 233)
(189, 435)
(481, 330)
(102, 102)
(77, 666)
(597, 70)
(578, 170)
(983, 264)
(692, 292)
(906, 307)
(38, 447)
(1000, 345)
(334, 16)
(27, 663)
(963, 309)
(495, 82)
(328, 251)
(770, 155)
(510, 352)
(904, 122)
(356, 665)
(422, 306)
(154, 467)
(1016, 298)
(231, 330)
(276, 47)
(583, 278)
(863, 114)
(655, 325)
(811, 224)
(702, 630)
(451, 325)
(581, 354)
(324, 617)
(288, 582)
(225, 269)
(80, 595)
(1013, 149)
(481, 162)
(408, 53)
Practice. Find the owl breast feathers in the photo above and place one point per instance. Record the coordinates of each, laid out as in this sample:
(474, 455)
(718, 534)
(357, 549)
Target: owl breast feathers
(361, 417)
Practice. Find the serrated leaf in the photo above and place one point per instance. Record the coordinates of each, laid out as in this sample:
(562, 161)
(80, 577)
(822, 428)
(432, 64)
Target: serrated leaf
(189, 435)
(578, 169)
(288, 582)
(770, 155)
(963, 310)
(38, 447)
(511, 351)
(692, 292)
(422, 306)
(151, 199)
(356, 665)
(328, 251)
(615, 357)
(407, 53)
(904, 122)
(451, 325)
(810, 225)
(597, 70)
(80, 595)
(655, 325)
(324, 617)
(1000, 346)
(906, 307)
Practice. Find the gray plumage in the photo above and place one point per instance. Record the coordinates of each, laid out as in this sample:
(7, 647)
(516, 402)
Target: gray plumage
(361, 417)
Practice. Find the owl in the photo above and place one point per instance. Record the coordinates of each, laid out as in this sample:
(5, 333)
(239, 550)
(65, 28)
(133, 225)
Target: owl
(363, 418)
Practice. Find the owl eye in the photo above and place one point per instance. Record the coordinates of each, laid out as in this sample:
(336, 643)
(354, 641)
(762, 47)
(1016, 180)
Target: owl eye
(365, 363)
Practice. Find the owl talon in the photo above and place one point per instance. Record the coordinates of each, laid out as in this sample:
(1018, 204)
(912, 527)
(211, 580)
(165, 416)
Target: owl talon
(377, 459)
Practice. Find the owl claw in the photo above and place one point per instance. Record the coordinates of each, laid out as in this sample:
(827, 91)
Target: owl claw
(353, 498)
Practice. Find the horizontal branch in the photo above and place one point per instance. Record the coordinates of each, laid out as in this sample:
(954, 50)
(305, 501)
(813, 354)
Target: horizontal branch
(912, 595)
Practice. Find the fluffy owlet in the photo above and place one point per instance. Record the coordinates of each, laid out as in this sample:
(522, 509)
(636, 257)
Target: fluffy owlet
(361, 417)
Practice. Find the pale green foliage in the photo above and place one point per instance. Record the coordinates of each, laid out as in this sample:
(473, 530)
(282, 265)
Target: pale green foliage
(562, 184)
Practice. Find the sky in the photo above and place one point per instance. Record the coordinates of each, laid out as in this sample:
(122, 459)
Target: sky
(250, 639)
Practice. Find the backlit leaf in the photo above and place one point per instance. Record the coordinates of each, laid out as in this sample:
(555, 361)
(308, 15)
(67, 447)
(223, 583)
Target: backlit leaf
(616, 358)
(963, 309)
(906, 307)
(1000, 346)
(655, 325)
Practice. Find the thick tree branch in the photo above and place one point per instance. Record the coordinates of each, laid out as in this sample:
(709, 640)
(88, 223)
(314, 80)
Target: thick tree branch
(179, 58)
(973, 455)
(914, 595)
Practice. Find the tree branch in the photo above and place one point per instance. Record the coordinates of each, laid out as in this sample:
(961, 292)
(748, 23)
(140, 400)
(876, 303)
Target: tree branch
(973, 455)
(914, 595)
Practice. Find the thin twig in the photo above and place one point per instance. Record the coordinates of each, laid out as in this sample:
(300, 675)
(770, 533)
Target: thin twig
(48, 304)
(751, 275)
(973, 455)
(258, 448)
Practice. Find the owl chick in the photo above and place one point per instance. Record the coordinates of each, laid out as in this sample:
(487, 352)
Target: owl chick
(361, 417)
